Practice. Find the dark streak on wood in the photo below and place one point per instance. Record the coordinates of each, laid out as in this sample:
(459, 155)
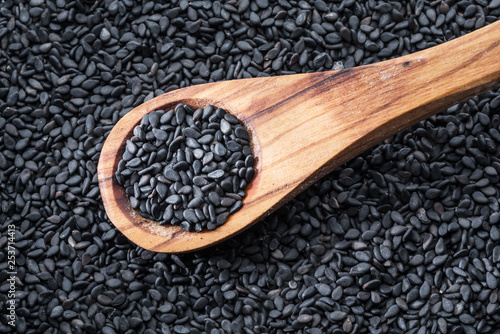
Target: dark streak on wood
(106, 179)
(300, 93)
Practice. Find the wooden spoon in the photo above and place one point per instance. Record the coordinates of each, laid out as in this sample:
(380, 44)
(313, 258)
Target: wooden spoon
(303, 126)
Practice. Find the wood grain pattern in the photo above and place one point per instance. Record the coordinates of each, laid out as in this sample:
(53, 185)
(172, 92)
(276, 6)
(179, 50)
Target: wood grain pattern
(303, 126)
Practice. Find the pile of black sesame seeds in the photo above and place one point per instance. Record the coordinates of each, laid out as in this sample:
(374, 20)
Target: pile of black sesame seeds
(402, 239)
(187, 167)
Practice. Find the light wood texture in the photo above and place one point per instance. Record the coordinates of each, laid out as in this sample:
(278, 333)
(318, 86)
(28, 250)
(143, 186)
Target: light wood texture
(303, 126)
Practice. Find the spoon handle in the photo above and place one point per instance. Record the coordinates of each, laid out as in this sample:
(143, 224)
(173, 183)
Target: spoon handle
(419, 85)
(340, 114)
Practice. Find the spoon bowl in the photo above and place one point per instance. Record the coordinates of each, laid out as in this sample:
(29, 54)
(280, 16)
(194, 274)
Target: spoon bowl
(305, 125)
